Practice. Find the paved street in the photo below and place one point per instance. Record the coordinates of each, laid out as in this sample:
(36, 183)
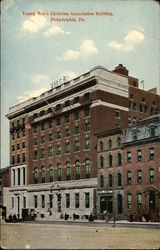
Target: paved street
(57, 236)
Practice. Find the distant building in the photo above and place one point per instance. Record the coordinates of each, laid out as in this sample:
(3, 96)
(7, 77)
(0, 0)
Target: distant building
(141, 171)
(53, 143)
(4, 181)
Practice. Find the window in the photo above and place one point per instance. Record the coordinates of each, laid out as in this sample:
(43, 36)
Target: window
(77, 165)
(101, 162)
(18, 146)
(77, 200)
(134, 84)
(67, 118)
(110, 144)
(131, 96)
(143, 99)
(129, 119)
(50, 173)
(50, 124)
(101, 148)
(88, 169)
(13, 177)
(41, 112)
(13, 136)
(13, 148)
(24, 202)
(76, 116)
(151, 175)
(42, 139)
(35, 154)
(87, 143)
(43, 201)
(86, 112)
(59, 135)
(59, 172)
(135, 135)
(152, 131)
(77, 146)
(68, 171)
(18, 135)
(87, 96)
(87, 127)
(139, 200)
(58, 121)
(67, 103)
(12, 124)
(76, 99)
(139, 155)
(58, 107)
(42, 126)
(23, 144)
(110, 161)
(119, 142)
(67, 147)
(23, 157)
(139, 176)
(141, 108)
(129, 157)
(67, 132)
(35, 141)
(50, 137)
(87, 200)
(42, 153)
(58, 150)
(67, 200)
(76, 130)
(18, 158)
(49, 110)
(117, 113)
(134, 106)
(129, 200)
(119, 159)
(119, 180)
(13, 159)
(129, 105)
(101, 181)
(50, 201)
(50, 151)
(12, 205)
(19, 177)
(151, 151)
(152, 111)
(129, 177)
(35, 115)
(134, 120)
(43, 175)
(154, 103)
(110, 180)
(35, 176)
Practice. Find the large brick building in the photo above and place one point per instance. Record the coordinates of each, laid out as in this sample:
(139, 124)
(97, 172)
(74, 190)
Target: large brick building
(141, 173)
(53, 143)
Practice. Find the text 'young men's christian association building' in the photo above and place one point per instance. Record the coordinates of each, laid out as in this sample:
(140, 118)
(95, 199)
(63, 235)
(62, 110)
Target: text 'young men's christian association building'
(53, 140)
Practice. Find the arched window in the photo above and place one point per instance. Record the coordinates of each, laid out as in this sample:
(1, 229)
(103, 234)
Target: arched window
(129, 177)
(119, 159)
(88, 168)
(110, 161)
(119, 203)
(50, 173)
(119, 179)
(101, 145)
(101, 162)
(110, 144)
(110, 180)
(119, 142)
(78, 171)
(35, 176)
(43, 174)
(101, 181)
(59, 172)
(68, 171)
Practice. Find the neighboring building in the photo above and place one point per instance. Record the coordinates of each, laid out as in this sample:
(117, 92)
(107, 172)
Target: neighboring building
(4, 181)
(110, 172)
(53, 139)
(141, 173)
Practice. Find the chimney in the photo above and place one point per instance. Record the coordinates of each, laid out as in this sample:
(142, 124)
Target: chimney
(120, 69)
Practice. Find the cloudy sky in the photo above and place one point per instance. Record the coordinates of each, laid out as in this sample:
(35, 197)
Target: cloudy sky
(36, 51)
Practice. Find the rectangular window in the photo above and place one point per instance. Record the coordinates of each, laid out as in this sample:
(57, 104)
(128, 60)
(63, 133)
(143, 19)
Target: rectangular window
(41, 112)
(50, 151)
(13, 137)
(139, 176)
(87, 200)
(42, 139)
(67, 132)
(87, 127)
(43, 200)
(18, 158)
(129, 201)
(117, 113)
(42, 126)
(13, 159)
(67, 103)
(50, 200)
(134, 106)
(50, 137)
(58, 107)
(58, 150)
(135, 135)
(24, 176)
(35, 129)
(86, 112)
(139, 155)
(23, 157)
(50, 124)
(12, 202)
(152, 131)
(77, 146)
(18, 135)
(139, 200)
(151, 175)
(129, 157)
(141, 108)
(35, 201)
(67, 118)
(87, 143)
(35, 141)
(76, 130)
(23, 144)
(59, 135)
(35, 155)
(13, 148)
(77, 200)
(18, 146)
(87, 96)
(24, 202)
(76, 116)
(151, 153)
(42, 153)
(67, 148)
(67, 200)
(76, 99)
(58, 121)
(34, 115)
(145, 109)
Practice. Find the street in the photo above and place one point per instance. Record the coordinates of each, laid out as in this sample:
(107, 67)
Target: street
(70, 236)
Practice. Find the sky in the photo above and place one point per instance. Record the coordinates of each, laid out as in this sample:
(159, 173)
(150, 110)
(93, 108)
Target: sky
(36, 49)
